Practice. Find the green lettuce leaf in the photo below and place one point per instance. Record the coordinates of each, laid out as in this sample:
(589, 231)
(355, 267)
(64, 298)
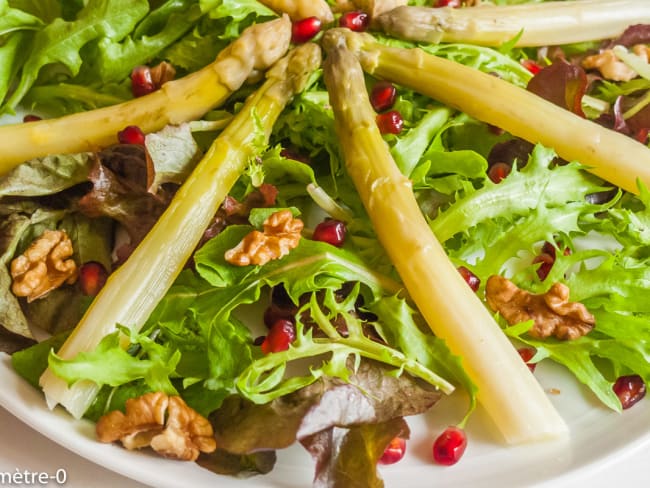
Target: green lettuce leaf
(111, 365)
(47, 175)
(61, 42)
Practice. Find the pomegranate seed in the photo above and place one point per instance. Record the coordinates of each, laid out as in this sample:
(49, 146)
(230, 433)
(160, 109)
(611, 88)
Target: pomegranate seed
(550, 249)
(547, 258)
(355, 21)
(533, 66)
(281, 334)
(527, 354)
(470, 278)
(92, 277)
(394, 451)
(382, 96)
(629, 390)
(498, 171)
(31, 118)
(141, 81)
(544, 269)
(331, 231)
(305, 30)
(449, 447)
(131, 134)
(390, 122)
(449, 3)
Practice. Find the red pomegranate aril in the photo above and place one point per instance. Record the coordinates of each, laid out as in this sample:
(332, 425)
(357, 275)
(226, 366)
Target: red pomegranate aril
(533, 66)
(547, 261)
(331, 231)
(304, 30)
(131, 134)
(450, 446)
(92, 277)
(355, 21)
(526, 354)
(498, 171)
(629, 390)
(382, 96)
(31, 118)
(449, 3)
(141, 81)
(390, 122)
(470, 278)
(394, 451)
(281, 334)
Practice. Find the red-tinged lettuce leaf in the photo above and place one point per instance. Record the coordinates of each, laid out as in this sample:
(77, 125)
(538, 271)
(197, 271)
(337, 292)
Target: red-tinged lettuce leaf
(347, 457)
(120, 191)
(634, 34)
(373, 395)
(242, 466)
(561, 83)
(640, 120)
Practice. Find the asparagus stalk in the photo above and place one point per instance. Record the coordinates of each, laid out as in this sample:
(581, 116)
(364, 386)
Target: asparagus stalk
(375, 8)
(175, 102)
(132, 292)
(540, 24)
(609, 154)
(449, 306)
(301, 9)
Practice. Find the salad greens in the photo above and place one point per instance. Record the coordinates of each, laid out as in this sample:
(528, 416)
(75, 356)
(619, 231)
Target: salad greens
(358, 338)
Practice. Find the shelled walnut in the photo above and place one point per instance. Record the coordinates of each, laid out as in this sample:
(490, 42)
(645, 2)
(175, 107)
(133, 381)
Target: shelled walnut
(281, 234)
(166, 423)
(552, 313)
(44, 266)
(612, 68)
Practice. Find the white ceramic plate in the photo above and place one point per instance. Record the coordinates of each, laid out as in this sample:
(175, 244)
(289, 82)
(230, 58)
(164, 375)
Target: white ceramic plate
(597, 437)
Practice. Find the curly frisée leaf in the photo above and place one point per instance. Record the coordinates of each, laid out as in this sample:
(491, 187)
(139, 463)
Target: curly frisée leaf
(517, 194)
(265, 379)
(109, 364)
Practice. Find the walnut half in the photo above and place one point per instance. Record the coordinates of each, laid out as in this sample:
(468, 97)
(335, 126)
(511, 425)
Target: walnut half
(281, 234)
(612, 68)
(166, 423)
(44, 266)
(551, 312)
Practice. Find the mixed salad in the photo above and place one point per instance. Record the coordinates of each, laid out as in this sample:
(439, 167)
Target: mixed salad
(230, 226)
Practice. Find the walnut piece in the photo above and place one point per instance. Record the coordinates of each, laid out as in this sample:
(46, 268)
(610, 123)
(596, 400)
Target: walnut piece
(281, 234)
(551, 312)
(44, 266)
(612, 68)
(163, 422)
(162, 73)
